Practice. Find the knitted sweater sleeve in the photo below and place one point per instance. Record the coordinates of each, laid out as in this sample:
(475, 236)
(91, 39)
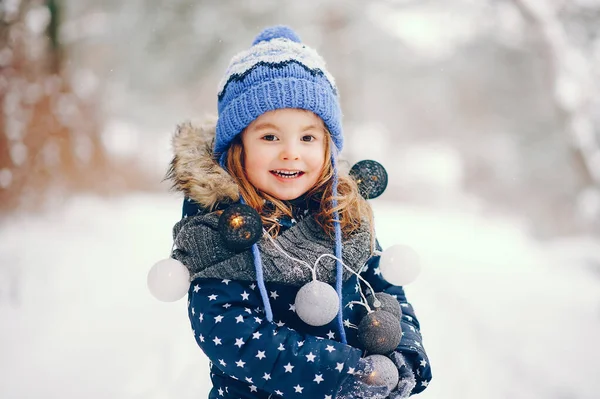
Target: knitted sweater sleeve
(229, 326)
(411, 345)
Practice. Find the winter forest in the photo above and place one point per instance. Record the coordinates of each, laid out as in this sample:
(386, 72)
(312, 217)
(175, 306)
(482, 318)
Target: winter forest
(485, 113)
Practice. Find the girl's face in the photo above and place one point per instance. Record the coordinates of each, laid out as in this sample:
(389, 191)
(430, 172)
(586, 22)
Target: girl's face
(284, 152)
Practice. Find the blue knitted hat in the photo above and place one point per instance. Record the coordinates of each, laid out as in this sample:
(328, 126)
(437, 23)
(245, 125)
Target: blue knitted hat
(278, 71)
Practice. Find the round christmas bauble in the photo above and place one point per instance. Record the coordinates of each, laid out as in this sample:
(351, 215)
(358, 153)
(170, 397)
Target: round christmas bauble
(317, 303)
(400, 265)
(387, 303)
(384, 372)
(371, 178)
(168, 280)
(379, 332)
(240, 226)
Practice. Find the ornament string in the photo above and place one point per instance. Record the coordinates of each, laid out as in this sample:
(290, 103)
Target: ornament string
(314, 270)
(277, 247)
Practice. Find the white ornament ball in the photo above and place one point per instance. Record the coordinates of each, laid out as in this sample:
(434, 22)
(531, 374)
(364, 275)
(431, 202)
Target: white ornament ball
(317, 303)
(168, 280)
(400, 265)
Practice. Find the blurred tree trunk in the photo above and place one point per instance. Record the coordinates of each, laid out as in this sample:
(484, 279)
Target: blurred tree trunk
(50, 137)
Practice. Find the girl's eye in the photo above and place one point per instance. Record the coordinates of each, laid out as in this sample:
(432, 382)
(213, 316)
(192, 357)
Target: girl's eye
(269, 137)
(308, 138)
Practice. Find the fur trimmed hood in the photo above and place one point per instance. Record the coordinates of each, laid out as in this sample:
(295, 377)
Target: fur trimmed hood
(194, 170)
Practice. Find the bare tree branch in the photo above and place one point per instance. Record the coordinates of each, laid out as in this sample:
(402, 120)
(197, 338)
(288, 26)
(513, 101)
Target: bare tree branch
(574, 85)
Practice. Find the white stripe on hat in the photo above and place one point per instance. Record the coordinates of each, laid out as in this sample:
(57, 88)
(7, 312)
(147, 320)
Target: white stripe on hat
(275, 51)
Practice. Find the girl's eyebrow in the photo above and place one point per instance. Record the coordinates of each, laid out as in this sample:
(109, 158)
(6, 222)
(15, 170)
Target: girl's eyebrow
(310, 127)
(266, 125)
(271, 126)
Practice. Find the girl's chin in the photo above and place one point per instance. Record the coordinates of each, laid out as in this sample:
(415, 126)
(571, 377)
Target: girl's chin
(287, 195)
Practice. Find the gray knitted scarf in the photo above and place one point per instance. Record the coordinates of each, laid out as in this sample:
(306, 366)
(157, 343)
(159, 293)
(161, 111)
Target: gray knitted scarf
(200, 247)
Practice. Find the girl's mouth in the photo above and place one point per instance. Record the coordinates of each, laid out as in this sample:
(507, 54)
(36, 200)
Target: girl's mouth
(287, 174)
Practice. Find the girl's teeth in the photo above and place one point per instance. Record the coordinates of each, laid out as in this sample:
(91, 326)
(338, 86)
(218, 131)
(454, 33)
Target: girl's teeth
(287, 175)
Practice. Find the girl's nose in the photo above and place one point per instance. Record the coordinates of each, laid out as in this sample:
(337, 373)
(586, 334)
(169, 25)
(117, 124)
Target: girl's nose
(290, 152)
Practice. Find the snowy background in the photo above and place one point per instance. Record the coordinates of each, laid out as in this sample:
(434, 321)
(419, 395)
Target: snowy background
(502, 315)
(485, 114)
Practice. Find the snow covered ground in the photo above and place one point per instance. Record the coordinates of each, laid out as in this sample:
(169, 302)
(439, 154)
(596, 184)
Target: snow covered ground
(502, 315)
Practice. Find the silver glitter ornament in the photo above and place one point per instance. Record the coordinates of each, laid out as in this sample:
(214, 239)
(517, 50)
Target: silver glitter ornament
(379, 332)
(317, 303)
(384, 372)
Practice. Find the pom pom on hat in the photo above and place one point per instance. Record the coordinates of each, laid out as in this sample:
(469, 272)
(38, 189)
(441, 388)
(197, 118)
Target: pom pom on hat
(274, 32)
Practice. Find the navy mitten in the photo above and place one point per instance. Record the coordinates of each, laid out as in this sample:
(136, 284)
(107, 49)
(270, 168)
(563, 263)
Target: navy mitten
(407, 381)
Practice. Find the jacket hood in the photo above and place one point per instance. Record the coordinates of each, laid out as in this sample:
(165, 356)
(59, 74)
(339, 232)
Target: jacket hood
(194, 170)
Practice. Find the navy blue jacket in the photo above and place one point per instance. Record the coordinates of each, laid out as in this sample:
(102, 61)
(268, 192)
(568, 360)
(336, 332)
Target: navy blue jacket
(253, 358)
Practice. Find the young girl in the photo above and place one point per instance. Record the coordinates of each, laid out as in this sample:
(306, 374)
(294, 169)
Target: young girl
(275, 147)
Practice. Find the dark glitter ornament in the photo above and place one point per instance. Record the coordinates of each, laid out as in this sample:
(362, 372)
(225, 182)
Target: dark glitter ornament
(386, 303)
(379, 332)
(371, 178)
(240, 226)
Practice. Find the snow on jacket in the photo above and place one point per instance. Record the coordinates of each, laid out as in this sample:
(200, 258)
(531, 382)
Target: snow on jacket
(250, 356)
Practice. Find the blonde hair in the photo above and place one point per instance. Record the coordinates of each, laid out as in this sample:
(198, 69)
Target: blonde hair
(352, 208)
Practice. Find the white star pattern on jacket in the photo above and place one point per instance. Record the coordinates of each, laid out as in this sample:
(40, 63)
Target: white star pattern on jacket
(263, 354)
